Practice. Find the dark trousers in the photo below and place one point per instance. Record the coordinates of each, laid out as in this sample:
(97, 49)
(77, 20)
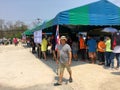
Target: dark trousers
(113, 55)
(109, 59)
(101, 56)
(33, 49)
(39, 53)
(83, 53)
(118, 59)
(117, 55)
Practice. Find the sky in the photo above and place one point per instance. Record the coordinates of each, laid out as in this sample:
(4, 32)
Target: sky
(29, 11)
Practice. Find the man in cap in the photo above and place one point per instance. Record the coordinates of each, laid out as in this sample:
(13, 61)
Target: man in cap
(64, 57)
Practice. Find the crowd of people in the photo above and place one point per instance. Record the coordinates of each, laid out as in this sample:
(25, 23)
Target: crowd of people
(89, 49)
(100, 50)
(5, 41)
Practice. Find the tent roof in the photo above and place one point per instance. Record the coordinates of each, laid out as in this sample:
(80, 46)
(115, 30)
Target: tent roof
(31, 30)
(100, 13)
(28, 32)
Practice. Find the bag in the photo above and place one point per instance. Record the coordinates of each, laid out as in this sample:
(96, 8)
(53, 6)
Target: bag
(49, 47)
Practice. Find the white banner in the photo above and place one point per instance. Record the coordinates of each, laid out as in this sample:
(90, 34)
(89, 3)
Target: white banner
(38, 36)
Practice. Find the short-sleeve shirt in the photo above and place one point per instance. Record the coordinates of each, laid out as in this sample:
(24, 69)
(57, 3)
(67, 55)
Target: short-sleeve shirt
(108, 46)
(91, 45)
(64, 52)
(44, 45)
(101, 46)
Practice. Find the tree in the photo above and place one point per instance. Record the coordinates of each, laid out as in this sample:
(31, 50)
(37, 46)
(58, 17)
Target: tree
(9, 24)
(9, 29)
(1, 24)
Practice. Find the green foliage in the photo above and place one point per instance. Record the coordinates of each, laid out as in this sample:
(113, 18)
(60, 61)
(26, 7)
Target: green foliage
(18, 35)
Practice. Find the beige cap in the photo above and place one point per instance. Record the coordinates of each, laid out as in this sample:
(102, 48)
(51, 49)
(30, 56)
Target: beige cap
(63, 37)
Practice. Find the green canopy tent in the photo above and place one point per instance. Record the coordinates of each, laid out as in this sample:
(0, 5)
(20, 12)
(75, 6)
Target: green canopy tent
(31, 31)
(28, 32)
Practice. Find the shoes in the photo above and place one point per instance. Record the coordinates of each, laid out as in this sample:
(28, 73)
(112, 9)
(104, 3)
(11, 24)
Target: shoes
(57, 84)
(100, 63)
(112, 68)
(83, 60)
(75, 59)
(90, 61)
(117, 68)
(70, 80)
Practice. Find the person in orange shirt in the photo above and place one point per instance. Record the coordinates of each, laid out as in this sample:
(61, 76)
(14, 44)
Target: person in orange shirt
(82, 47)
(101, 51)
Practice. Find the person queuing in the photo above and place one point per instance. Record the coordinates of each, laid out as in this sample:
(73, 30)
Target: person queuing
(101, 51)
(116, 48)
(33, 45)
(53, 43)
(108, 51)
(82, 47)
(91, 45)
(44, 44)
(75, 50)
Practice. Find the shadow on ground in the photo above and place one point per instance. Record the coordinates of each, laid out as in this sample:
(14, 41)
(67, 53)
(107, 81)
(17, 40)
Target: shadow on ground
(52, 63)
(25, 46)
(116, 73)
(38, 87)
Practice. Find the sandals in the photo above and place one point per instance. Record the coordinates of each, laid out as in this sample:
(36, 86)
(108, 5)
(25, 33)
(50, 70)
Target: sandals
(101, 63)
(57, 84)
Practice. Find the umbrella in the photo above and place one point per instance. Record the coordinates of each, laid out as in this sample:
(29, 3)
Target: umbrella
(110, 29)
(116, 49)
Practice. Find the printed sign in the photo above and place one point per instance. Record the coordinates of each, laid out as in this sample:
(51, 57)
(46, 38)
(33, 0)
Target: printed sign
(38, 36)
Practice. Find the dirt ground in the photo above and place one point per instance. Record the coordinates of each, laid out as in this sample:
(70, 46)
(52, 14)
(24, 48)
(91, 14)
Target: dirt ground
(22, 70)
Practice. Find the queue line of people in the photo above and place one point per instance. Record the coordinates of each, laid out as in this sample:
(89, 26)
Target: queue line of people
(101, 50)
(84, 49)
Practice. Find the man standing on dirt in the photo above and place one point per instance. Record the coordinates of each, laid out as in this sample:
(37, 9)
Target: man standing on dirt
(64, 56)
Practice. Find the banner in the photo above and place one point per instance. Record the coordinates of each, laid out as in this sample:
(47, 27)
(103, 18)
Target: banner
(38, 36)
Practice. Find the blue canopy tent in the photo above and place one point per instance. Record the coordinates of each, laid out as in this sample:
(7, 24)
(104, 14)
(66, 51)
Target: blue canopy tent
(101, 13)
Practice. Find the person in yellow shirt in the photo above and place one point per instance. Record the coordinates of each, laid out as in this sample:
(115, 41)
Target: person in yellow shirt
(108, 51)
(101, 51)
(44, 47)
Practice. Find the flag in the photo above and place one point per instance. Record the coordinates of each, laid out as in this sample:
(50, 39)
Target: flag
(57, 37)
